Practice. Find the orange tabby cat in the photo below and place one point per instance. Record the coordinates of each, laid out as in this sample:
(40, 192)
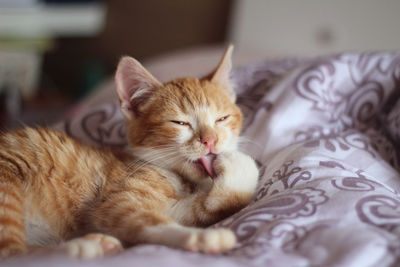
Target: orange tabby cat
(187, 173)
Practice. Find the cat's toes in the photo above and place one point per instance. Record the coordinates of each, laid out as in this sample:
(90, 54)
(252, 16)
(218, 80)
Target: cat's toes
(92, 246)
(211, 241)
(108, 243)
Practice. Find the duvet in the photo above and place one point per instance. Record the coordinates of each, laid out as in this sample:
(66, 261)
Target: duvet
(326, 134)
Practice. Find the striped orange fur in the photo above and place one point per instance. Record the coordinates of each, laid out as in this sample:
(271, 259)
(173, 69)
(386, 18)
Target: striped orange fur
(54, 188)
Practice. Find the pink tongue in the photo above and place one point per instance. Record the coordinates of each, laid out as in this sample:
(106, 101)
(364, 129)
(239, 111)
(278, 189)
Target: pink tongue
(207, 161)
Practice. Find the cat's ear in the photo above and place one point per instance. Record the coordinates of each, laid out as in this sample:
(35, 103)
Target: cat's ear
(134, 85)
(222, 74)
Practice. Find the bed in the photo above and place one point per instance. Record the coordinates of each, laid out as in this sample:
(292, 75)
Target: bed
(325, 133)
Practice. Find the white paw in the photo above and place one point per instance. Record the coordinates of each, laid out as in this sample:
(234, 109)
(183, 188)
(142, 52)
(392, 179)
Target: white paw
(237, 171)
(92, 246)
(210, 241)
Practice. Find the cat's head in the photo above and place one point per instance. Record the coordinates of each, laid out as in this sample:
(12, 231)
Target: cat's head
(182, 124)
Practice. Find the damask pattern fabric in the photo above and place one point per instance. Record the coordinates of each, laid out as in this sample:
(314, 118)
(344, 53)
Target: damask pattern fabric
(325, 133)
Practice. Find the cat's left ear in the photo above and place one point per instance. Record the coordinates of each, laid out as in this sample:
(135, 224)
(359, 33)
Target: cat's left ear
(222, 74)
(134, 86)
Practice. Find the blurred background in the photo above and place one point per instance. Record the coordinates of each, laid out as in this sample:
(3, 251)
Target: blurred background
(54, 53)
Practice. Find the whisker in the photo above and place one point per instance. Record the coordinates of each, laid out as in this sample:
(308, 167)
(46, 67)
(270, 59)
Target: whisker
(151, 156)
(243, 140)
(245, 144)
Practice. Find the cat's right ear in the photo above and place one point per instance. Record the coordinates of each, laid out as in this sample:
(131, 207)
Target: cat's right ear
(134, 85)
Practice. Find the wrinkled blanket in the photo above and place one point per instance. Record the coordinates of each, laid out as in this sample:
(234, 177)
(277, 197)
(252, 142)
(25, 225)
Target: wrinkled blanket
(326, 134)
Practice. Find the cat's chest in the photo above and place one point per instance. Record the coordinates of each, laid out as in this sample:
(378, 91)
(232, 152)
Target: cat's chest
(39, 232)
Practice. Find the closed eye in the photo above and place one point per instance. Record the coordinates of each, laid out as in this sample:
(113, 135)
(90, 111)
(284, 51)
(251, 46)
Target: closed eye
(224, 118)
(181, 123)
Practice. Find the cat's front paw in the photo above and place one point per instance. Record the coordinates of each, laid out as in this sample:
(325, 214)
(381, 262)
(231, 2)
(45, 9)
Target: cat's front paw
(92, 246)
(236, 171)
(210, 241)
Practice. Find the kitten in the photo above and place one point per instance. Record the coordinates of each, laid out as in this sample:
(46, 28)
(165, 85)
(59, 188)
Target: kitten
(186, 174)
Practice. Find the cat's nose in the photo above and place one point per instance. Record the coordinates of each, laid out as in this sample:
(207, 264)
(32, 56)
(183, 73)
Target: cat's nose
(209, 142)
(208, 137)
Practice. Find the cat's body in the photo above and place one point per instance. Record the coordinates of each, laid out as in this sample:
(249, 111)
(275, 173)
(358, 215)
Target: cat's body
(53, 188)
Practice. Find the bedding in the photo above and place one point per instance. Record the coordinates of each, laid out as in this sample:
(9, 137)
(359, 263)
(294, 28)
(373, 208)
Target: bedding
(326, 133)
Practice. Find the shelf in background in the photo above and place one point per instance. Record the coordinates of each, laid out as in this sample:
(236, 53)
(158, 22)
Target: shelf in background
(48, 20)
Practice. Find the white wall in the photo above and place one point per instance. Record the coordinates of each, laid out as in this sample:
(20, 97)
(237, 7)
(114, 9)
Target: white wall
(313, 27)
